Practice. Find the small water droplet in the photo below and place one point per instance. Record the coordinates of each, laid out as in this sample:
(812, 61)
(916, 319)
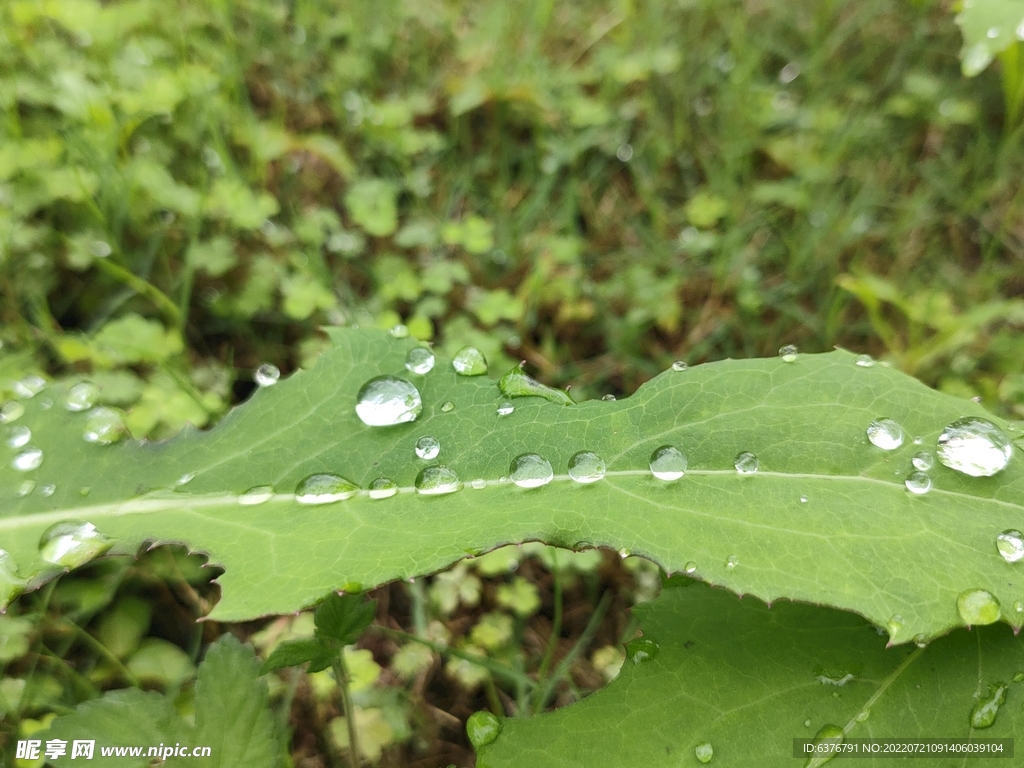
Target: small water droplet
(679, 365)
(974, 446)
(267, 375)
(420, 360)
(885, 434)
(400, 331)
(530, 470)
(19, 436)
(1018, 606)
(47, 490)
(29, 387)
(103, 426)
(865, 361)
(479, 484)
(469, 361)
(26, 487)
(641, 649)
(803, 499)
(84, 491)
(704, 752)
(324, 488)
(788, 353)
(862, 716)
(427, 447)
(186, 478)
(609, 398)
(923, 460)
(383, 488)
(918, 483)
(28, 459)
(992, 33)
(894, 625)
(387, 400)
(81, 396)
(731, 562)
(72, 543)
(258, 494)
(746, 463)
(505, 408)
(807, 723)
(482, 728)
(690, 567)
(1010, 544)
(977, 607)
(624, 553)
(447, 406)
(668, 463)
(586, 467)
(983, 714)
(437, 480)
(11, 411)
(920, 640)
(789, 73)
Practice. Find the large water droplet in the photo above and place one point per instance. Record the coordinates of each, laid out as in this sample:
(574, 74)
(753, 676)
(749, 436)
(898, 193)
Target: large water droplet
(505, 408)
(985, 709)
(81, 396)
(28, 459)
(72, 543)
(324, 488)
(437, 480)
(427, 447)
(918, 483)
(19, 436)
(704, 752)
(788, 353)
(746, 463)
(530, 470)
(103, 426)
(641, 649)
(885, 434)
(515, 383)
(923, 460)
(679, 365)
(586, 467)
(387, 400)
(267, 375)
(400, 331)
(976, 606)
(1010, 544)
(383, 488)
(974, 446)
(865, 361)
(11, 411)
(259, 494)
(482, 728)
(469, 361)
(668, 463)
(420, 360)
(30, 386)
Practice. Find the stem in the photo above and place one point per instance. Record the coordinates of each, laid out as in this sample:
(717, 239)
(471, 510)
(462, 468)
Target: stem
(563, 666)
(341, 677)
(419, 607)
(556, 630)
(141, 287)
(102, 650)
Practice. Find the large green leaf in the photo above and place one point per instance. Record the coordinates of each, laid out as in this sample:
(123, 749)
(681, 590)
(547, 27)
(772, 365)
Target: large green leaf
(747, 680)
(989, 27)
(826, 519)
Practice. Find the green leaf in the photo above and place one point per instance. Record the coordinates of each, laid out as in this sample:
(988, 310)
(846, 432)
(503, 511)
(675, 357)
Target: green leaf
(291, 653)
(826, 518)
(747, 680)
(344, 617)
(373, 205)
(988, 27)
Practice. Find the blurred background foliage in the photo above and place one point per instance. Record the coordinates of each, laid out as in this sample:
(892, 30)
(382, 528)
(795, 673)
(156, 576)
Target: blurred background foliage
(190, 189)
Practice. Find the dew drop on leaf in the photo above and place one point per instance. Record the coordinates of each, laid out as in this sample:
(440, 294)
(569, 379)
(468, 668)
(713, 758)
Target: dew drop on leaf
(1018, 607)
(103, 426)
(862, 716)
(923, 460)
(47, 490)
(803, 499)
(624, 553)
(437, 480)
(807, 723)
(80, 397)
(258, 494)
(826, 740)
(10, 584)
(668, 463)
(704, 752)
(482, 728)
(387, 400)
(690, 567)
(29, 387)
(641, 649)
(530, 470)
(505, 408)
(609, 398)
(920, 640)
(427, 448)
(185, 479)
(28, 459)
(731, 562)
(19, 436)
(11, 411)
(918, 483)
(865, 361)
(267, 375)
(1010, 544)
(72, 543)
(985, 709)
(469, 361)
(788, 353)
(679, 365)
(26, 487)
(586, 467)
(746, 463)
(885, 434)
(974, 446)
(383, 488)
(419, 360)
(894, 625)
(324, 488)
(400, 331)
(976, 607)
(447, 406)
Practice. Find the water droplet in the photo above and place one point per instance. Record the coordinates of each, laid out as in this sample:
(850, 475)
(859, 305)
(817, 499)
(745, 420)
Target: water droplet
(187, 478)
(258, 494)
(447, 406)
(1010, 544)
(383, 488)
(974, 446)
(704, 752)
(100, 249)
(482, 728)
(641, 649)
(427, 447)
(400, 331)
(505, 408)
(267, 375)
(983, 714)
(586, 467)
(479, 484)
(690, 567)
(668, 463)
(862, 716)
(10, 584)
(11, 411)
(976, 606)
(47, 490)
(609, 398)
(894, 625)
(679, 365)
(624, 153)
(437, 480)
(807, 723)
(1018, 607)
(918, 483)
(29, 387)
(72, 543)
(28, 459)
(19, 436)
(103, 426)
(81, 396)
(865, 361)
(885, 434)
(515, 383)
(26, 487)
(624, 553)
(387, 400)
(324, 488)
(746, 463)
(992, 33)
(923, 460)
(789, 73)
(788, 353)
(920, 640)
(530, 470)
(1018, 677)
(803, 499)
(826, 742)
(420, 360)
(469, 361)
(731, 562)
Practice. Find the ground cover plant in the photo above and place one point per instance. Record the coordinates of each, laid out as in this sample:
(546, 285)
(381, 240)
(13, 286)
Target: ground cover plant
(189, 196)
